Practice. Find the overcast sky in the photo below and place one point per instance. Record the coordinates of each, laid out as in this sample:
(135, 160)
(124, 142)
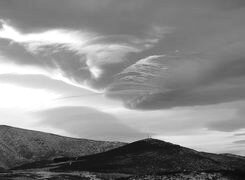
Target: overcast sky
(126, 69)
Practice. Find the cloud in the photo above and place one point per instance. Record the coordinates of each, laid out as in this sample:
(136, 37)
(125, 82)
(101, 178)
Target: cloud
(239, 142)
(92, 15)
(200, 63)
(165, 81)
(239, 134)
(36, 81)
(230, 124)
(186, 120)
(148, 54)
(67, 95)
(73, 56)
(34, 41)
(88, 123)
(21, 63)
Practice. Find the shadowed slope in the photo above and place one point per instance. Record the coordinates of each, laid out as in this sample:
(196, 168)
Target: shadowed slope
(151, 156)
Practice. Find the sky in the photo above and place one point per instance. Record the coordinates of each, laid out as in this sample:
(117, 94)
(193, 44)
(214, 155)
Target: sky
(123, 70)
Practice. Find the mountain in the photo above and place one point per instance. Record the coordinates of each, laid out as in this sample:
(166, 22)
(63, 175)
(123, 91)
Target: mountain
(20, 146)
(151, 156)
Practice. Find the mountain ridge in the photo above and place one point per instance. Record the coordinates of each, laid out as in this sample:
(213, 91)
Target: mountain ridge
(151, 156)
(19, 146)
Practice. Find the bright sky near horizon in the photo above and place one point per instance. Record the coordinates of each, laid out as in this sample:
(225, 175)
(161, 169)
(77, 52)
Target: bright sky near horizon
(123, 70)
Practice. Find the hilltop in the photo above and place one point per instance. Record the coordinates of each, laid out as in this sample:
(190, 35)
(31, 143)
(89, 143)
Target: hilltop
(152, 156)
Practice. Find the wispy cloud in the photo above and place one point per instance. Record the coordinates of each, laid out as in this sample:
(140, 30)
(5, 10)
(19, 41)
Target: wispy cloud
(34, 42)
(167, 81)
(92, 50)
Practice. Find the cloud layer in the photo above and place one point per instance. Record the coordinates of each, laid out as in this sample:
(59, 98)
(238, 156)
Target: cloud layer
(149, 54)
(88, 123)
(181, 80)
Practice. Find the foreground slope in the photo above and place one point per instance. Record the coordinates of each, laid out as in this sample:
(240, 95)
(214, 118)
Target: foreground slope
(19, 146)
(151, 156)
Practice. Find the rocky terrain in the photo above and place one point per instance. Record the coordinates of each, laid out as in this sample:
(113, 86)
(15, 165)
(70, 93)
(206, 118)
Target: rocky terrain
(20, 146)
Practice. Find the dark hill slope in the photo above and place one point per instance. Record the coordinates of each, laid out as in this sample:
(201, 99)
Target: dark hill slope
(19, 146)
(152, 156)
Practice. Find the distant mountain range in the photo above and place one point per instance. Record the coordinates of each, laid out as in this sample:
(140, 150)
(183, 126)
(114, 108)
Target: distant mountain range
(20, 146)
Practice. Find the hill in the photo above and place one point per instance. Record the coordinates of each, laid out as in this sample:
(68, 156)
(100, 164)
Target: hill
(151, 156)
(20, 146)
